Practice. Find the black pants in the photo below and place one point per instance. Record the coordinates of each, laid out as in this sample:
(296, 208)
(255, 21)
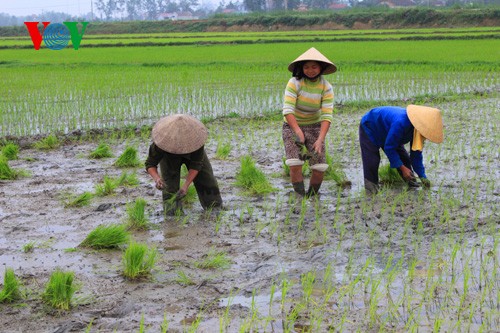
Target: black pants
(370, 155)
(205, 182)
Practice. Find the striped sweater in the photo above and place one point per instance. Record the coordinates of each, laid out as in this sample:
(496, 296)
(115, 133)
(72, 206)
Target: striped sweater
(310, 102)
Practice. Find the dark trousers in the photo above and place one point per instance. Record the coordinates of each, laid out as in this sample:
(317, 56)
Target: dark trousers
(205, 182)
(370, 155)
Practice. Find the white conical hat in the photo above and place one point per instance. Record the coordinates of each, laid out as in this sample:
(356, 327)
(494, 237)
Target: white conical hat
(314, 55)
(179, 134)
(427, 121)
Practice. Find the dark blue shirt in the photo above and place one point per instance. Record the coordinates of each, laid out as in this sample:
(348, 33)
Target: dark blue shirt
(389, 127)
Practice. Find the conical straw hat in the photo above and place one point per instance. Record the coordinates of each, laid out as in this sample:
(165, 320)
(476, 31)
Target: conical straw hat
(314, 55)
(427, 121)
(179, 134)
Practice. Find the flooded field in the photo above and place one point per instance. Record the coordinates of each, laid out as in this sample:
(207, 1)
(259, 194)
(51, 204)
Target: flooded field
(403, 261)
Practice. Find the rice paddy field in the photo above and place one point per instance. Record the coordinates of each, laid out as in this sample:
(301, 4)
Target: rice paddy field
(424, 260)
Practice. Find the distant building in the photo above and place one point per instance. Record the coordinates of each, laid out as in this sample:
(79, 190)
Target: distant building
(177, 16)
(336, 6)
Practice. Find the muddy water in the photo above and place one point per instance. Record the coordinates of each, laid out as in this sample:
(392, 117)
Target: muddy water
(347, 241)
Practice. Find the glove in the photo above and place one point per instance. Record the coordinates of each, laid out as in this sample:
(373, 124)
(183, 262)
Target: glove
(425, 182)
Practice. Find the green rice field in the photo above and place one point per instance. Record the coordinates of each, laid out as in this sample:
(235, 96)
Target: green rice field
(423, 260)
(99, 87)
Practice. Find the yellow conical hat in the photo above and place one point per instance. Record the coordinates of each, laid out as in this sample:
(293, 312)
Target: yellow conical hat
(427, 121)
(179, 134)
(314, 55)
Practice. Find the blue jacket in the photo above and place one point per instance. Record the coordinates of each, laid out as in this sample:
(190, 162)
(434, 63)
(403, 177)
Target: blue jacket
(389, 127)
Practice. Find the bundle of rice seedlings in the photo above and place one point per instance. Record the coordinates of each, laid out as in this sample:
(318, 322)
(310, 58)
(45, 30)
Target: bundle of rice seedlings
(106, 237)
(251, 178)
(128, 158)
(388, 175)
(6, 172)
(128, 179)
(214, 259)
(107, 187)
(50, 142)
(335, 172)
(136, 215)
(10, 151)
(222, 151)
(138, 260)
(80, 200)
(11, 287)
(59, 290)
(102, 151)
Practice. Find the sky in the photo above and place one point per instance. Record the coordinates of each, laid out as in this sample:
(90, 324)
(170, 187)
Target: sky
(27, 7)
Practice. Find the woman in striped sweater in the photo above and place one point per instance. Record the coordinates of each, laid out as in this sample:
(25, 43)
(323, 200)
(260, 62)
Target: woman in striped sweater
(307, 111)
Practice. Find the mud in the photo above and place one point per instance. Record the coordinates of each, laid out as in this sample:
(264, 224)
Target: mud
(264, 240)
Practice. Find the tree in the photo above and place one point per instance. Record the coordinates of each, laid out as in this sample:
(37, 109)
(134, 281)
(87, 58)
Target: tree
(255, 5)
(186, 5)
(109, 7)
(151, 9)
(133, 8)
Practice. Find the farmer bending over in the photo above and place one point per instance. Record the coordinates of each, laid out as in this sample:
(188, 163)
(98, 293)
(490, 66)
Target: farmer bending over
(390, 128)
(179, 139)
(307, 111)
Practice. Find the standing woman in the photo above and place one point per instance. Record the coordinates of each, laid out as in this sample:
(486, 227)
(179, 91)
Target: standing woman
(180, 139)
(308, 112)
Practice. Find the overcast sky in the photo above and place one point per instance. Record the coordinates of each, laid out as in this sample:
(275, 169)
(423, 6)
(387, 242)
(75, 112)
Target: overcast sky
(73, 7)
(26, 7)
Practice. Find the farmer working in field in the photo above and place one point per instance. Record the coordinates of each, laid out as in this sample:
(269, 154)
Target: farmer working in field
(180, 139)
(390, 128)
(307, 111)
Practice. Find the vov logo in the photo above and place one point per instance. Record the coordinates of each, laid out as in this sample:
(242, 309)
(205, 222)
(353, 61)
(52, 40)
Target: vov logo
(56, 36)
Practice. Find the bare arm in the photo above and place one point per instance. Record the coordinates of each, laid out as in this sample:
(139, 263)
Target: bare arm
(325, 126)
(189, 179)
(153, 172)
(292, 122)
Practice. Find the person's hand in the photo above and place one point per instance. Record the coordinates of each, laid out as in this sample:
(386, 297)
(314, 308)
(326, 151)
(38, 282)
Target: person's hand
(159, 183)
(181, 193)
(425, 182)
(406, 173)
(318, 146)
(299, 137)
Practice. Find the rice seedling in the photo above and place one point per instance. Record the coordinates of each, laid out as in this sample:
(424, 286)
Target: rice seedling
(102, 151)
(128, 159)
(11, 287)
(335, 172)
(252, 179)
(223, 150)
(48, 143)
(184, 279)
(126, 179)
(29, 247)
(59, 290)
(138, 260)
(214, 259)
(164, 324)
(107, 187)
(6, 172)
(81, 200)
(106, 237)
(136, 215)
(389, 176)
(10, 151)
